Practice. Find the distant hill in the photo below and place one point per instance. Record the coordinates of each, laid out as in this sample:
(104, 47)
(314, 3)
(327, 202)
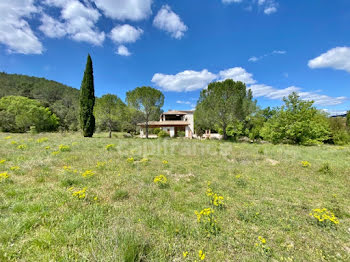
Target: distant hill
(61, 99)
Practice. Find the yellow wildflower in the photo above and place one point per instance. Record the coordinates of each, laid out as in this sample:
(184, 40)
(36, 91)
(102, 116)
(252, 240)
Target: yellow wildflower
(185, 253)
(80, 194)
(305, 164)
(201, 255)
(88, 173)
(64, 148)
(42, 140)
(165, 162)
(160, 180)
(4, 176)
(324, 216)
(130, 160)
(110, 147)
(2, 161)
(22, 147)
(14, 168)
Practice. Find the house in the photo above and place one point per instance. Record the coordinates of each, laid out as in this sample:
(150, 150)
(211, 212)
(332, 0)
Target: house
(172, 122)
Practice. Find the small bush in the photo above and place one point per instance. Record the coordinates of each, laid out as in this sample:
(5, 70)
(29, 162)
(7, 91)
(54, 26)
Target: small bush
(181, 134)
(163, 134)
(156, 131)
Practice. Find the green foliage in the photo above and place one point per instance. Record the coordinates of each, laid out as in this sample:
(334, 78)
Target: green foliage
(87, 101)
(18, 114)
(120, 194)
(339, 132)
(132, 118)
(61, 99)
(110, 113)
(156, 131)
(163, 134)
(222, 104)
(146, 99)
(181, 134)
(348, 120)
(297, 122)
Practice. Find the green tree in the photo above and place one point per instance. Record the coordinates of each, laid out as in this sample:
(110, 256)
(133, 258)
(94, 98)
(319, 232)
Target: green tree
(348, 120)
(146, 99)
(62, 100)
(18, 114)
(297, 122)
(223, 103)
(110, 113)
(87, 101)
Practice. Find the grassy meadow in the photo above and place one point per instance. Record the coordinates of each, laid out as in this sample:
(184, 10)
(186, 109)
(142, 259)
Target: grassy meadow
(68, 198)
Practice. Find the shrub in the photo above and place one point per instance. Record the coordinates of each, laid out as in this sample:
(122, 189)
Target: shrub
(181, 133)
(156, 131)
(339, 132)
(163, 134)
(19, 114)
(297, 122)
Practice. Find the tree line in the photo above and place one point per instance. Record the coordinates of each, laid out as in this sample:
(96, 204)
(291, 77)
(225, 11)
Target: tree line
(226, 107)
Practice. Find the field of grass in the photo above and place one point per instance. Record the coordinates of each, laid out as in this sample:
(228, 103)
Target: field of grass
(120, 214)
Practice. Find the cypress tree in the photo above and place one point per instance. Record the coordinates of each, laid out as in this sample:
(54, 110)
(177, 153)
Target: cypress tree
(87, 100)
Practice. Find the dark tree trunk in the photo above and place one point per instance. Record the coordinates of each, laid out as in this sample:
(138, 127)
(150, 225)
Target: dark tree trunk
(224, 131)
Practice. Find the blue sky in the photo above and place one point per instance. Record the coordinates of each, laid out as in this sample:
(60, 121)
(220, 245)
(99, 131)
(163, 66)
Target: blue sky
(274, 46)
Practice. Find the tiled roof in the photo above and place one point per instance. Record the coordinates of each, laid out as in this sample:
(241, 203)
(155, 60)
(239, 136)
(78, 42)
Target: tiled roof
(174, 112)
(165, 123)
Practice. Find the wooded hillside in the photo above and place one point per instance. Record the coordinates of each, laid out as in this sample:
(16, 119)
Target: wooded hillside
(61, 99)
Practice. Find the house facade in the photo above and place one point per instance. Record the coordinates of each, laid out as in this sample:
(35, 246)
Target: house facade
(172, 122)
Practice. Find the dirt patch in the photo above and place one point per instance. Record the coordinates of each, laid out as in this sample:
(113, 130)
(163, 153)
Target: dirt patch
(272, 162)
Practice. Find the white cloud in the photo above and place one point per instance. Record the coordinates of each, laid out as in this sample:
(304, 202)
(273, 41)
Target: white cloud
(15, 31)
(336, 58)
(261, 90)
(183, 102)
(170, 22)
(125, 9)
(125, 34)
(237, 74)
(335, 112)
(231, 1)
(322, 100)
(193, 80)
(253, 59)
(279, 52)
(185, 81)
(275, 52)
(79, 21)
(51, 27)
(123, 51)
(270, 10)
(268, 6)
